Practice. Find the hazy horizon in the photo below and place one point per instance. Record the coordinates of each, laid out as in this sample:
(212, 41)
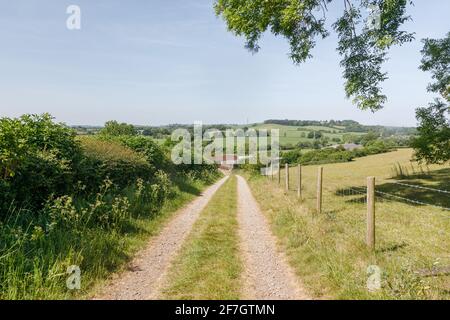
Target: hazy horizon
(225, 123)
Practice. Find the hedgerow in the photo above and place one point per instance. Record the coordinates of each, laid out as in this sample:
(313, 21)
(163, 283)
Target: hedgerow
(332, 155)
(66, 200)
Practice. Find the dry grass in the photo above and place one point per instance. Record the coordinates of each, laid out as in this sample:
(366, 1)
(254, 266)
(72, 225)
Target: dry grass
(328, 250)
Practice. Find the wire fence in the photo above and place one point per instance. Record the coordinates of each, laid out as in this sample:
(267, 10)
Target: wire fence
(320, 195)
(358, 194)
(417, 187)
(416, 202)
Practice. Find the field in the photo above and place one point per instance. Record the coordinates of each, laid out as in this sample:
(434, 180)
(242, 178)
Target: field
(328, 250)
(292, 135)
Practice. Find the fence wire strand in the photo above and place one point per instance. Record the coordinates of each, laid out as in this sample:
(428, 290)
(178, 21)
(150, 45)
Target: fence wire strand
(382, 196)
(410, 200)
(418, 187)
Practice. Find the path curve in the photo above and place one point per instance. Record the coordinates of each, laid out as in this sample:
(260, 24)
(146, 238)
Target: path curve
(147, 271)
(267, 275)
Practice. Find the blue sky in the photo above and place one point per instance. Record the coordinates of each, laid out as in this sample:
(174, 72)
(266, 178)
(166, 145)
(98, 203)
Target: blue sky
(173, 61)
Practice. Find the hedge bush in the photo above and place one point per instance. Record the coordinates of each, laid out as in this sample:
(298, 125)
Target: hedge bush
(37, 158)
(331, 155)
(112, 160)
(41, 160)
(154, 154)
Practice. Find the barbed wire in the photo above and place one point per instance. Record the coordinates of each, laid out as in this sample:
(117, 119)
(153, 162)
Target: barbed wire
(363, 191)
(352, 191)
(410, 200)
(418, 187)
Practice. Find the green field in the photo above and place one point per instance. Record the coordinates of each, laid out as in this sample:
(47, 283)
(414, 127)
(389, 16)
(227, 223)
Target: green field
(295, 134)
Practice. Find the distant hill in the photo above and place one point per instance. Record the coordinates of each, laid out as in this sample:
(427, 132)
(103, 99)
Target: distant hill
(345, 125)
(306, 134)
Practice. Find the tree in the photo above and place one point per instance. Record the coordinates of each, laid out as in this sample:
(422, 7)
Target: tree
(369, 137)
(113, 128)
(436, 59)
(433, 142)
(314, 135)
(363, 41)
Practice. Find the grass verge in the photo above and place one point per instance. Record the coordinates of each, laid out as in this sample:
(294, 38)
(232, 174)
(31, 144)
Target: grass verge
(35, 266)
(208, 266)
(328, 251)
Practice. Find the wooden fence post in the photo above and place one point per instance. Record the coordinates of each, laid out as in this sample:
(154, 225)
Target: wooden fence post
(371, 213)
(271, 171)
(319, 190)
(279, 173)
(287, 177)
(299, 187)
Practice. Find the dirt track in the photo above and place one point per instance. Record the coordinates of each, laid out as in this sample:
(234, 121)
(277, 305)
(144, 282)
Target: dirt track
(146, 273)
(267, 275)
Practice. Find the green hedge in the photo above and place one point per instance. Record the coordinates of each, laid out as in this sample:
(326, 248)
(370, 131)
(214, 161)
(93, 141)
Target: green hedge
(331, 155)
(112, 160)
(67, 200)
(41, 160)
(37, 158)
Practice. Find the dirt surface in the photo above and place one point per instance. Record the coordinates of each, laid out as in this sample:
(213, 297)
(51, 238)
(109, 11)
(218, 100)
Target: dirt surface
(267, 275)
(146, 273)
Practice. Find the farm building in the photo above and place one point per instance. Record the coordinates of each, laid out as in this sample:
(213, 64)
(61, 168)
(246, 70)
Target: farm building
(226, 161)
(347, 146)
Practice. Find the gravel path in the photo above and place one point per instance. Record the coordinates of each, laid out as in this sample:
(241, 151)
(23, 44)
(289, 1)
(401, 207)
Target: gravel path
(146, 273)
(267, 275)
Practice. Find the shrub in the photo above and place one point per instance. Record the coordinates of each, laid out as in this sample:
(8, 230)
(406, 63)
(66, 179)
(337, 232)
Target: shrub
(254, 169)
(326, 155)
(37, 158)
(292, 156)
(315, 135)
(158, 157)
(38, 176)
(68, 201)
(110, 159)
(154, 154)
(375, 147)
(113, 128)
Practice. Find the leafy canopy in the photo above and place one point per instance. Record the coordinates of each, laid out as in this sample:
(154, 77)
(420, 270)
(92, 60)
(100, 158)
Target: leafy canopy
(113, 128)
(363, 40)
(433, 142)
(436, 59)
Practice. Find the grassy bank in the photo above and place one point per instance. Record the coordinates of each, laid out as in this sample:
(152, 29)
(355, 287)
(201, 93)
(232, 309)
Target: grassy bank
(34, 264)
(209, 266)
(328, 250)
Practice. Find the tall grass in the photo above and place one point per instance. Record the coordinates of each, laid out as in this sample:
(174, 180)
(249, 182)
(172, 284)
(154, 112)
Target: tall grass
(403, 171)
(100, 235)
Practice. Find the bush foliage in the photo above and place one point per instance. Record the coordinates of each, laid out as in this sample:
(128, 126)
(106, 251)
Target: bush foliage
(37, 158)
(331, 155)
(68, 200)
